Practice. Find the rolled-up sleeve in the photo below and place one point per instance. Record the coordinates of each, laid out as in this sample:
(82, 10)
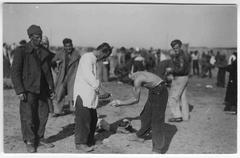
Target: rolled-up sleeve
(88, 75)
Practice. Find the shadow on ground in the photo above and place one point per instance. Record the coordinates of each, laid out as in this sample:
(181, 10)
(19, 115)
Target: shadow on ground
(170, 131)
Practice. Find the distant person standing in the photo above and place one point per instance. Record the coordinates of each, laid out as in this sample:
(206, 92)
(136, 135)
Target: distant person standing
(68, 60)
(195, 59)
(221, 62)
(208, 65)
(33, 83)
(231, 92)
(177, 96)
(86, 90)
(6, 62)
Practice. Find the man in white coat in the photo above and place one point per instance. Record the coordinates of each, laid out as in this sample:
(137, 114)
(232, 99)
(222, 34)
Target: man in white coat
(86, 90)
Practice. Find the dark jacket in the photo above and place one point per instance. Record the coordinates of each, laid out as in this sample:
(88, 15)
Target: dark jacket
(181, 64)
(232, 69)
(28, 69)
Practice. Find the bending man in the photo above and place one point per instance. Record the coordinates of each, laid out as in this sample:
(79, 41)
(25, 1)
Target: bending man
(153, 114)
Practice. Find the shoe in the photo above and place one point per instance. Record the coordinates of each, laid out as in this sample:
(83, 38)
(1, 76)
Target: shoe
(178, 119)
(134, 137)
(30, 147)
(45, 144)
(84, 148)
(226, 108)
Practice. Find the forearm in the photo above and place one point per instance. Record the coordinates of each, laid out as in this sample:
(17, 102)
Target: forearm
(129, 101)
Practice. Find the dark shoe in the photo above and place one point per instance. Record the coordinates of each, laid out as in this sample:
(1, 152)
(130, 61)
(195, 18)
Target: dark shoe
(84, 148)
(30, 147)
(226, 108)
(178, 119)
(45, 144)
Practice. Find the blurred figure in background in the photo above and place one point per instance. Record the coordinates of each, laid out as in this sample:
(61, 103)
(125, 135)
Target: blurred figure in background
(195, 59)
(138, 62)
(231, 92)
(6, 61)
(68, 62)
(221, 62)
(45, 43)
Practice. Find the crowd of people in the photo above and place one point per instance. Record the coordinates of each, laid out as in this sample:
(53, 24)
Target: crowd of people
(46, 82)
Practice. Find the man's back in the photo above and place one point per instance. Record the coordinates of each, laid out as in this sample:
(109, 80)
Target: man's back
(148, 79)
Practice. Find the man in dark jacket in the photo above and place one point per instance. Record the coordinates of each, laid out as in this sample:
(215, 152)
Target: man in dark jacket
(33, 83)
(231, 92)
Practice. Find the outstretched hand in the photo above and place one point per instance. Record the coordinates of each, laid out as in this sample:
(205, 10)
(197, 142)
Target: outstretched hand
(114, 103)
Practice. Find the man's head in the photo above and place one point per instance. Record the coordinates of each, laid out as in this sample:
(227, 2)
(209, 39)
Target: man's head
(35, 34)
(68, 46)
(176, 45)
(103, 51)
(22, 42)
(45, 42)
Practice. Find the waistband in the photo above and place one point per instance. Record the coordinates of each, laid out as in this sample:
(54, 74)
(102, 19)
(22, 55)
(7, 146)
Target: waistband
(163, 83)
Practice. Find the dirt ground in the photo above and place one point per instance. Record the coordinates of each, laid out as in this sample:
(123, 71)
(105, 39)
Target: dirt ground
(209, 131)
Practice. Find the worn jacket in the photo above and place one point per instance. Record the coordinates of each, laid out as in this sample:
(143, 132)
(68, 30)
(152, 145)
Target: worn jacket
(66, 73)
(27, 69)
(181, 64)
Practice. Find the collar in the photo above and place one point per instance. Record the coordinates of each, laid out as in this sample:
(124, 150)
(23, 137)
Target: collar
(29, 47)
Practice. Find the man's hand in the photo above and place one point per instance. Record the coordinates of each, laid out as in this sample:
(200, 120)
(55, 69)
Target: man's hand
(115, 103)
(22, 97)
(52, 94)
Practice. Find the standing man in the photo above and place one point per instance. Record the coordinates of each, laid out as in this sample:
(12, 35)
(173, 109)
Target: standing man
(195, 59)
(68, 62)
(33, 83)
(153, 115)
(86, 90)
(177, 94)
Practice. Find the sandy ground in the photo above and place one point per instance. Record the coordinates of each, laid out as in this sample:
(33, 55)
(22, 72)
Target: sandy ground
(209, 130)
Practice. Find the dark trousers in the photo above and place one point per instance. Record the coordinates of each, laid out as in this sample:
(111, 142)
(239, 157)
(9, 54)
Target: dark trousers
(153, 116)
(195, 67)
(231, 94)
(85, 123)
(221, 77)
(34, 115)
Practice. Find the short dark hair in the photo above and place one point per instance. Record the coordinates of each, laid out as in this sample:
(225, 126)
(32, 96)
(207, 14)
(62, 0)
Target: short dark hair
(22, 42)
(67, 40)
(176, 41)
(105, 48)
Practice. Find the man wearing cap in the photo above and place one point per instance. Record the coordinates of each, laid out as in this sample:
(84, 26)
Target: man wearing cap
(33, 84)
(177, 95)
(68, 60)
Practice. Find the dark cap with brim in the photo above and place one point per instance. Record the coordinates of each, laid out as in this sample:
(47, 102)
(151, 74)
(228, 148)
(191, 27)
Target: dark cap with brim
(34, 29)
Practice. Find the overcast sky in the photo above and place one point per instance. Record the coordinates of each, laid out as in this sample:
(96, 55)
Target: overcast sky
(129, 25)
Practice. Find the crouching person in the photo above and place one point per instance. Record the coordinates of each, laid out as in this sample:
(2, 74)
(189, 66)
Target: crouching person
(86, 90)
(153, 115)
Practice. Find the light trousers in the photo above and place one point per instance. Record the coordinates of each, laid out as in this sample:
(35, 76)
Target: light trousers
(178, 102)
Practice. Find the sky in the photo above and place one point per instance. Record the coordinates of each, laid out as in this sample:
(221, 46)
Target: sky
(128, 25)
